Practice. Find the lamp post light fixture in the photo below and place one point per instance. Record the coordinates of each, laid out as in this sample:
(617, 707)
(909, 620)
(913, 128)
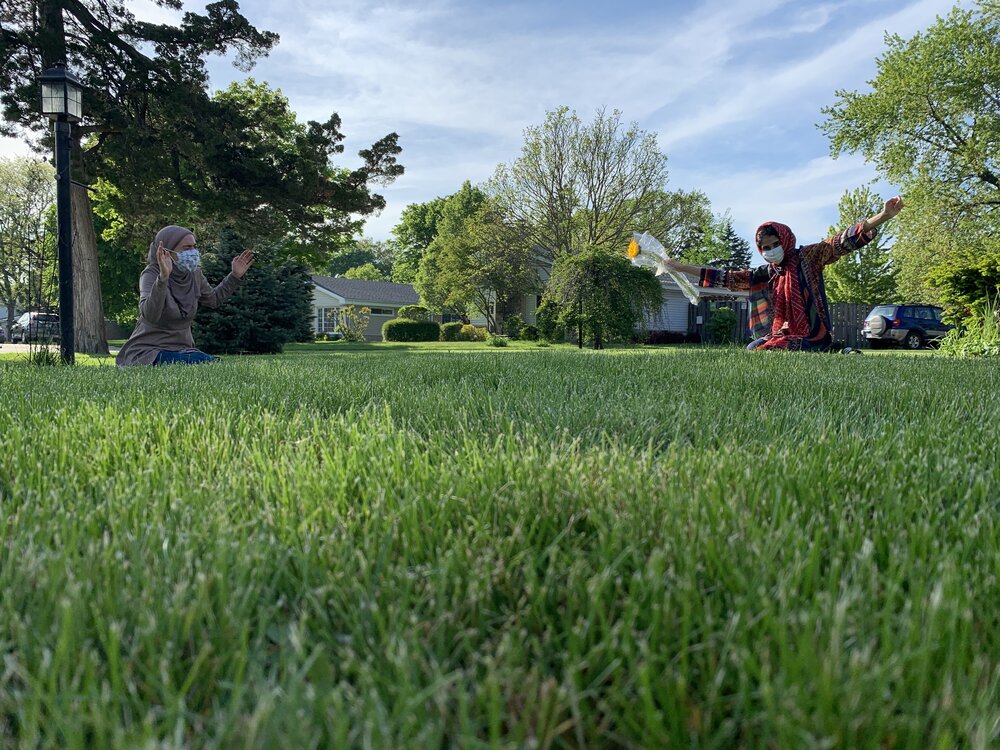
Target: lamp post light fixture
(62, 102)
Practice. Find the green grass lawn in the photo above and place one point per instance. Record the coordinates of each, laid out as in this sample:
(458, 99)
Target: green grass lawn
(422, 546)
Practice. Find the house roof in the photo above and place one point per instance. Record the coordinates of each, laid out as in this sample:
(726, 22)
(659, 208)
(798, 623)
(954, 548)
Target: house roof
(355, 290)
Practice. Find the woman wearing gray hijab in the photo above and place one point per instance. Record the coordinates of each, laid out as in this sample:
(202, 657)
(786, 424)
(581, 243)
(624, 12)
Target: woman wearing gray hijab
(171, 288)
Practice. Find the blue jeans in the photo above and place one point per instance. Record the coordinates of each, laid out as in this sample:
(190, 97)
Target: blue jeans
(190, 357)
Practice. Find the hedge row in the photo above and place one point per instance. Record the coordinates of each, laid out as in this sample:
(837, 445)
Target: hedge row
(403, 329)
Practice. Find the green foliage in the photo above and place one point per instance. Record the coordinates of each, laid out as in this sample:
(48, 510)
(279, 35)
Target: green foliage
(451, 331)
(416, 230)
(403, 329)
(27, 234)
(44, 356)
(603, 295)
(352, 322)
(470, 332)
(979, 336)
(681, 221)
(931, 124)
(529, 333)
(440, 264)
(479, 261)
(580, 185)
(366, 272)
(414, 312)
(272, 307)
(724, 246)
(120, 268)
(721, 326)
(867, 275)
(355, 252)
(513, 325)
(972, 278)
(496, 341)
(547, 317)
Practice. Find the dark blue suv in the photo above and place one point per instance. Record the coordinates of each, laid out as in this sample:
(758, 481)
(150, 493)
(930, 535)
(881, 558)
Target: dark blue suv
(912, 326)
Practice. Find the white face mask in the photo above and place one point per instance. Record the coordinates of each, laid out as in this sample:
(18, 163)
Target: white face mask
(188, 260)
(774, 255)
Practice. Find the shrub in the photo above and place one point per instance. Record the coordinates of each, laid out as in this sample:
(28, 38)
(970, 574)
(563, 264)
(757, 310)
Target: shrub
(403, 329)
(472, 333)
(496, 341)
(529, 333)
(451, 332)
(979, 335)
(352, 322)
(547, 317)
(272, 306)
(414, 312)
(513, 325)
(720, 328)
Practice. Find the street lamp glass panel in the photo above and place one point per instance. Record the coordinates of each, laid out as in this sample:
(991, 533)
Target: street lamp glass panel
(53, 98)
(74, 101)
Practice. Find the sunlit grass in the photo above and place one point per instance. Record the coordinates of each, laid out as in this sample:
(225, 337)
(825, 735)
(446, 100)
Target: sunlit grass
(482, 548)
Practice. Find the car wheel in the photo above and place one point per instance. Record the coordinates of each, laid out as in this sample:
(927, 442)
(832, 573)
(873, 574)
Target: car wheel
(913, 340)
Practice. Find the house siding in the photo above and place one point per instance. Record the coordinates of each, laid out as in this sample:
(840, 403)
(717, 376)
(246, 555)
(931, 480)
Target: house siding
(325, 299)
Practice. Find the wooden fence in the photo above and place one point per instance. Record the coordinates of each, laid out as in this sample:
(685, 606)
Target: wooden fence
(846, 317)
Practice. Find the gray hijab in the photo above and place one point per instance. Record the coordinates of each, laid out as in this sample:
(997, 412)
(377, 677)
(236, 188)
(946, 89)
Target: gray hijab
(184, 287)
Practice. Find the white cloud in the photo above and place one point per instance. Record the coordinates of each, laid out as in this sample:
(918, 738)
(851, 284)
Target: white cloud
(743, 93)
(11, 148)
(804, 197)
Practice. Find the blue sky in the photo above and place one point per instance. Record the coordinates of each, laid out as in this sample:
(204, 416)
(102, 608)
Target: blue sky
(732, 88)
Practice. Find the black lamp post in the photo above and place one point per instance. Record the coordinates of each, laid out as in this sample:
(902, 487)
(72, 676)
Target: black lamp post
(62, 102)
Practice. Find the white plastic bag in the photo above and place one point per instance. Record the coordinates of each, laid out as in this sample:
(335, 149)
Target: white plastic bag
(648, 252)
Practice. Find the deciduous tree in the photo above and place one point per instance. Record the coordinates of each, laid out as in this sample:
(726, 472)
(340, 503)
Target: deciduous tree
(602, 295)
(931, 123)
(866, 275)
(580, 185)
(27, 192)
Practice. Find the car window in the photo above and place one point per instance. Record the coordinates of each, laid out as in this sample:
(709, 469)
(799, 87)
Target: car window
(936, 313)
(906, 312)
(886, 310)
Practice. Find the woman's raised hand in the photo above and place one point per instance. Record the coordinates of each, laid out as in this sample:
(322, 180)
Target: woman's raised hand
(165, 261)
(893, 206)
(241, 263)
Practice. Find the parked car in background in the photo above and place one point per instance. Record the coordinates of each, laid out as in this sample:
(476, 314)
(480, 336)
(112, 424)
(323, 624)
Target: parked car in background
(910, 326)
(35, 326)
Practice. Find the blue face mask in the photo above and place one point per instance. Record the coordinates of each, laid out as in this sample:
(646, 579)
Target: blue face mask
(188, 260)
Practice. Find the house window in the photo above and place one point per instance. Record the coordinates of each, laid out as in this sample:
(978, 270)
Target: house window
(383, 311)
(326, 319)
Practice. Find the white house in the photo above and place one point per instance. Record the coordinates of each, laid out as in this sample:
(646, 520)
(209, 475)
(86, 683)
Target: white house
(678, 315)
(331, 293)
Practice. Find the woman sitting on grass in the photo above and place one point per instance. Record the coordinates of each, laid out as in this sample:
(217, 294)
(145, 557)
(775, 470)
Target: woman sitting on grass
(788, 305)
(171, 288)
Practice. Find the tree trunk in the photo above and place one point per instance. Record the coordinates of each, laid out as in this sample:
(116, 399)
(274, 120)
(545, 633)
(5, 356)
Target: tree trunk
(88, 309)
